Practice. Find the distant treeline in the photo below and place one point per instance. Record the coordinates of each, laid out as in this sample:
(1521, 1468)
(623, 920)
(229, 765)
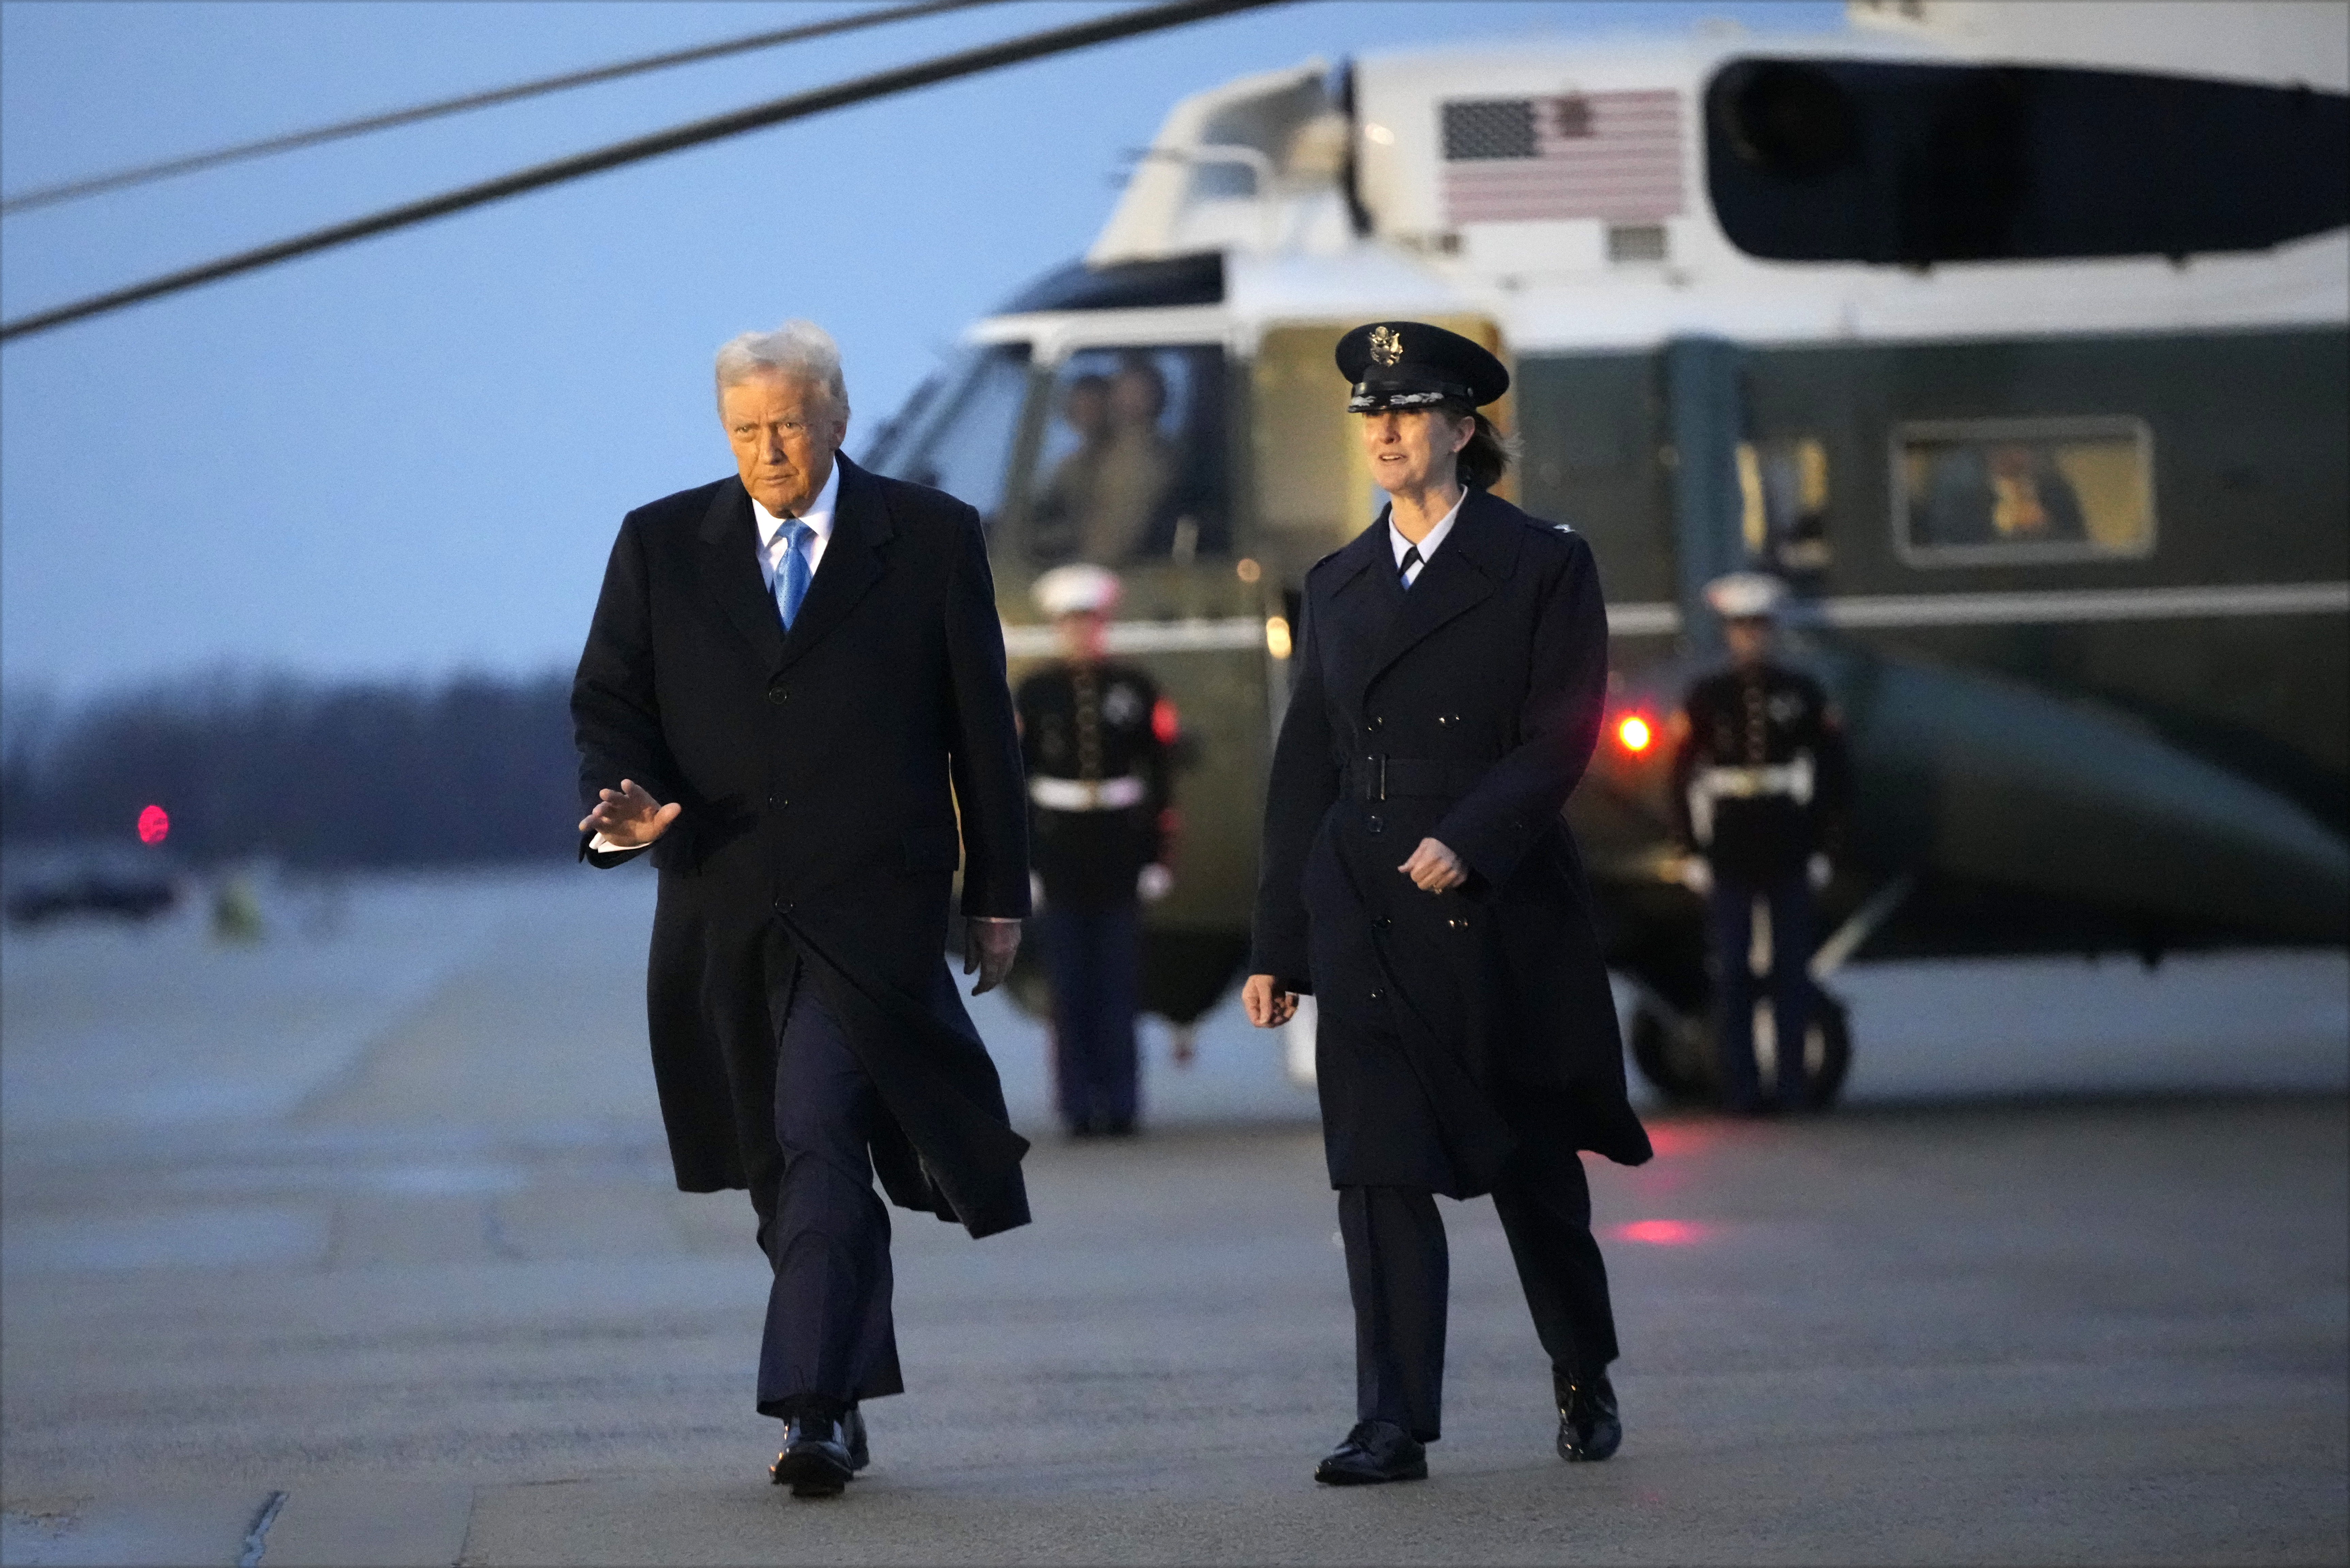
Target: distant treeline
(473, 769)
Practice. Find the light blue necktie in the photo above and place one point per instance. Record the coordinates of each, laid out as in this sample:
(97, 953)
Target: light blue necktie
(792, 582)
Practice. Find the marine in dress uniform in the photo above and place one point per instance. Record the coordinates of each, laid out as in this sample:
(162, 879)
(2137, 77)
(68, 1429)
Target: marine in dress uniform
(1092, 734)
(1418, 880)
(1760, 781)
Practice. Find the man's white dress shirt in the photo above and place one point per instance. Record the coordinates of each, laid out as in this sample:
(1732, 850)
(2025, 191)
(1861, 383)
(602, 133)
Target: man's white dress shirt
(1399, 544)
(817, 514)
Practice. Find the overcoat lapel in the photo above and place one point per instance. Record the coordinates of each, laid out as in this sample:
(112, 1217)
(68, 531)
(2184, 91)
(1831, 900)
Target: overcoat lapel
(1475, 558)
(852, 560)
(729, 566)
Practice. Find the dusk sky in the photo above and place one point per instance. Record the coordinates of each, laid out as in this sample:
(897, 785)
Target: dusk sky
(407, 457)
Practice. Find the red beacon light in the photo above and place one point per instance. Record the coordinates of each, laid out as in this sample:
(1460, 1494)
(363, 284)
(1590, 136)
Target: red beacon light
(154, 825)
(1635, 734)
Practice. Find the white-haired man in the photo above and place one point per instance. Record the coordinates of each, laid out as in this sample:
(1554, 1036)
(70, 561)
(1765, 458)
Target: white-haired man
(786, 669)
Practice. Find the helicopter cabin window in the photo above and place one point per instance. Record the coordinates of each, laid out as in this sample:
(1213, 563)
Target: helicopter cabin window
(959, 439)
(2023, 490)
(1132, 463)
(1782, 487)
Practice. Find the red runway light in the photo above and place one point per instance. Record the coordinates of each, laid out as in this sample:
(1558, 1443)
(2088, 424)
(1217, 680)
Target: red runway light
(1164, 723)
(1634, 733)
(154, 825)
(1662, 1232)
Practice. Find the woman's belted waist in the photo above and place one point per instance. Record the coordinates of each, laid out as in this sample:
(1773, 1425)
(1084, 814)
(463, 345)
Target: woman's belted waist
(1392, 778)
(1086, 795)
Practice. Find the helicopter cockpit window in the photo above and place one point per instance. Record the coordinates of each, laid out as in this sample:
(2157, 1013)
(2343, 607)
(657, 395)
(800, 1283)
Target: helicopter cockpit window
(2023, 490)
(1132, 463)
(959, 438)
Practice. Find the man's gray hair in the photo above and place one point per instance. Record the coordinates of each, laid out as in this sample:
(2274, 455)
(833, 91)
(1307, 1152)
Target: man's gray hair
(799, 348)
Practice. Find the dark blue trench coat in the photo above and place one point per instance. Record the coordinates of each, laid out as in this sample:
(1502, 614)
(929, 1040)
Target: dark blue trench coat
(1464, 710)
(830, 776)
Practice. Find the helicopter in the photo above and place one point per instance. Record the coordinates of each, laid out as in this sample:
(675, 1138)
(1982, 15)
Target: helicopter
(2020, 355)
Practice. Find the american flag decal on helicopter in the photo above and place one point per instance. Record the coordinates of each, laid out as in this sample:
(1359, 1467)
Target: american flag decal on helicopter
(1615, 156)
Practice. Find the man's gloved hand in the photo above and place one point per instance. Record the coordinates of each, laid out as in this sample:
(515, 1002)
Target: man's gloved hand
(1153, 882)
(1817, 871)
(1696, 874)
(988, 947)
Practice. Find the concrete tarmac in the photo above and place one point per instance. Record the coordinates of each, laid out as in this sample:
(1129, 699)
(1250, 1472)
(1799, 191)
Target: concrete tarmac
(360, 1246)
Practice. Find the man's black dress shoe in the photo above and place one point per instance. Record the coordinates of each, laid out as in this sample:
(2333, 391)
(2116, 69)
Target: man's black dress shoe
(852, 1432)
(1373, 1451)
(1588, 1427)
(815, 1460)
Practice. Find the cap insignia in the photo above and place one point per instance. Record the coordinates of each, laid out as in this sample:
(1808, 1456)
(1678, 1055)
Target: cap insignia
(1386, 345)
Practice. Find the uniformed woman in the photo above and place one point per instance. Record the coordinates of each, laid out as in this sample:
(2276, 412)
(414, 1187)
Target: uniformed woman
(1417, 879)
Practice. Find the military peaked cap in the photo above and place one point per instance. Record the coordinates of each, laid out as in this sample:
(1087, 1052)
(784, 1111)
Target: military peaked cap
(1746, 595)
(1411, 365)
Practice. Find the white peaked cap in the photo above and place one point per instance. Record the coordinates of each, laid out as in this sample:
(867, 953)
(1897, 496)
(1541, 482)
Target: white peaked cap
(1745, 596)
(1067, 590)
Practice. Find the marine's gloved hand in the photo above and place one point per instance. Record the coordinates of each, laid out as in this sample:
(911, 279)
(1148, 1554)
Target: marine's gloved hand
(1153, 882)
(1697, 875)
(1817, 871)
(989, 945)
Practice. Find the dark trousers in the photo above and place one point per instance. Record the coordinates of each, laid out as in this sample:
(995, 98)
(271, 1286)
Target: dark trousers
(1731, 916)
(830, 1339)
(1398, 1272)
(1094, 957)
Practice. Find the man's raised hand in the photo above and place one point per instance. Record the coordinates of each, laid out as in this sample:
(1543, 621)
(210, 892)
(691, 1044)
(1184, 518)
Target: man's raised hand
(627, 817)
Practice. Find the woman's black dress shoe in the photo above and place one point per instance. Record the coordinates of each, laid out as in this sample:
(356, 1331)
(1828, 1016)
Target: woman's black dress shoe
(1373, 1451)
(815, 1461)
(1588, 1427)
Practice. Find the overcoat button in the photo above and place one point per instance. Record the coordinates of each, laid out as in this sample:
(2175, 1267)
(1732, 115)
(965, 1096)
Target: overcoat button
(1376, 825)
(1377, 722)
(1382, 921)
(779, 693)
(1378, 996)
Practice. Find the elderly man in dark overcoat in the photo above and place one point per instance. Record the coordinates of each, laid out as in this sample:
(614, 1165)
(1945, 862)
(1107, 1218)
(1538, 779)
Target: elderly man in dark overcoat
(792, 694)
(1418, 880)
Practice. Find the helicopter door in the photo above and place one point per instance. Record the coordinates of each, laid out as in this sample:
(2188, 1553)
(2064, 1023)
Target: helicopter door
(1313, 489)
(1130, 466)
(1749, 484)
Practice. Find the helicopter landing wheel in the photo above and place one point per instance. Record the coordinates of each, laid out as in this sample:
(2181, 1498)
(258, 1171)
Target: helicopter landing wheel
(1678, 1056)
(1675, 1055)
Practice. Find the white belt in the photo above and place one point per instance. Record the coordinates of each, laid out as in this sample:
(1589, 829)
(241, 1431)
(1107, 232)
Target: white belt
(1085, 794)
(1793, 780)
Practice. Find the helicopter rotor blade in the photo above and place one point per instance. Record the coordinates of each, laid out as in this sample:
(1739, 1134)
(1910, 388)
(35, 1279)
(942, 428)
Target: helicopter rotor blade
(147, 173)
(757, 117)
